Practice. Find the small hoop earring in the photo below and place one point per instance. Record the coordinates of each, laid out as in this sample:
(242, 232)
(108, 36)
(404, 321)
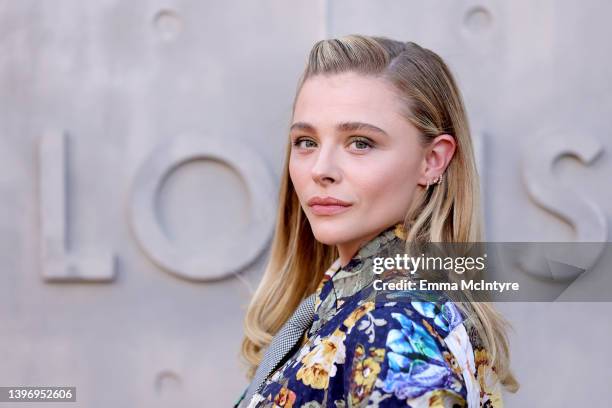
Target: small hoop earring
(435, 181)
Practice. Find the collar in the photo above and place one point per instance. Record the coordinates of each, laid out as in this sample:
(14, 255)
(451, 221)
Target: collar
(342, 282)
(358, 272)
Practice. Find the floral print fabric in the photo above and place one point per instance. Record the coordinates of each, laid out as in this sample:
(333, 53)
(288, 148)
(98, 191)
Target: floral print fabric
(363, 351)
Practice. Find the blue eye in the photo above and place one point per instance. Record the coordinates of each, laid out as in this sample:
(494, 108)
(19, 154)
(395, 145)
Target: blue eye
(299, 141)
(362, 143)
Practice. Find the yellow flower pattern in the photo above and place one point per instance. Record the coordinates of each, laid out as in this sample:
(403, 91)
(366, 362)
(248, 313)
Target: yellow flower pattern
(320, 363)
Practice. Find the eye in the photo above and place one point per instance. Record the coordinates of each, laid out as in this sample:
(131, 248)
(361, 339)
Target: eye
(299, 140)
(362, 143)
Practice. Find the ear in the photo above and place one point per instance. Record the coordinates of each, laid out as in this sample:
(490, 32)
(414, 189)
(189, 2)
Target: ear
(437, 157)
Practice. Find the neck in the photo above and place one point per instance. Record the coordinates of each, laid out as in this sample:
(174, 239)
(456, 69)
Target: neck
(348, 250)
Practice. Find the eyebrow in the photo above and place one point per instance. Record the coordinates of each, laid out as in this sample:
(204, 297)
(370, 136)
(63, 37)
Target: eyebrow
(341, 127)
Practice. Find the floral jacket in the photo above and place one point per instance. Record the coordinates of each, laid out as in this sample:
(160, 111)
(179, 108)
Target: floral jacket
(364, 351)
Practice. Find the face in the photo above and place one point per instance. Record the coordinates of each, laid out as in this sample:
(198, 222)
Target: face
(350, 143)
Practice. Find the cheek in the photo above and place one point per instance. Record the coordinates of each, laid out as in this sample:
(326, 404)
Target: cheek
(298, 173)
(391, 184)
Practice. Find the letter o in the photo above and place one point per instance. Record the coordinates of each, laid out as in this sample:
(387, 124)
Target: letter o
(241, 250)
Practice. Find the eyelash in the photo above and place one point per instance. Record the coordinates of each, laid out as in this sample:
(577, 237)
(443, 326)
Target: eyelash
(361, 139)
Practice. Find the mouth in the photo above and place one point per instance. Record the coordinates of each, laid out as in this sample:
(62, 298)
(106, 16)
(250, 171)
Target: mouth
(328, 205)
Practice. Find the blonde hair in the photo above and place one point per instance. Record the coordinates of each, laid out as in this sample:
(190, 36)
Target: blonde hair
(449, 212)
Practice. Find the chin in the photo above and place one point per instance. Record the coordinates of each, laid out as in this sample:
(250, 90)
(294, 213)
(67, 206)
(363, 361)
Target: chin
(332, 230)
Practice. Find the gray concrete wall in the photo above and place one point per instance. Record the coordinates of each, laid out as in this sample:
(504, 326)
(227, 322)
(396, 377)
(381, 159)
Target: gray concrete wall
(141, 142)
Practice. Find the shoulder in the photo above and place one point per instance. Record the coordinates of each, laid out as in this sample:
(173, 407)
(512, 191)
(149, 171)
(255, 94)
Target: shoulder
(438, 318)
(396, 351)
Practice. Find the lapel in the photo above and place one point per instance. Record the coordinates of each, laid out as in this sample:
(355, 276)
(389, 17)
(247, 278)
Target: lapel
(341, 282)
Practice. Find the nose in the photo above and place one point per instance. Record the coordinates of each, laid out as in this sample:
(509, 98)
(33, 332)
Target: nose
(325, 169)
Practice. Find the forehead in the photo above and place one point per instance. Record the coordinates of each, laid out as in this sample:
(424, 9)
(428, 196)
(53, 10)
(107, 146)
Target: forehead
(347, 96)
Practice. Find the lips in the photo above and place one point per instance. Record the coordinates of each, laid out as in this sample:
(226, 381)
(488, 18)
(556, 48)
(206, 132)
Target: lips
(328, 205)
(327, 201)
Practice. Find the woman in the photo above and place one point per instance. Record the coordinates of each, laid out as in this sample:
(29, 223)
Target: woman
(379, 155)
